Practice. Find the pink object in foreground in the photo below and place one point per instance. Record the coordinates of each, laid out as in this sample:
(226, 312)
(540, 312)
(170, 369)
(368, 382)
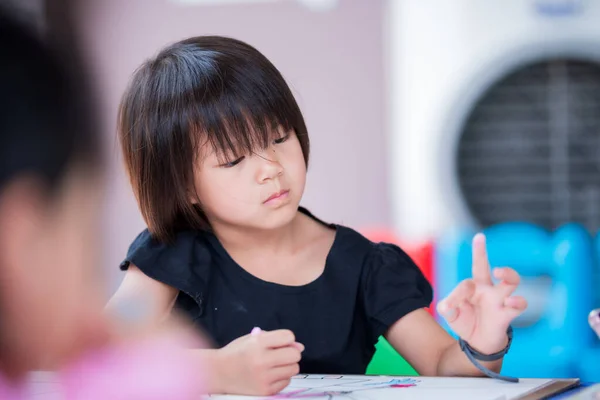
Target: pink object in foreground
(9, 391)
(146, 370)
(151, 370)
(255, 331)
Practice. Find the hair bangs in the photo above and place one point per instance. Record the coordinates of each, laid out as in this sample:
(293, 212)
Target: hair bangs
(236, 125)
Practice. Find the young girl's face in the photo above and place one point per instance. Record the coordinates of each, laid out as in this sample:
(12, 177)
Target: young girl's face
(261, 190)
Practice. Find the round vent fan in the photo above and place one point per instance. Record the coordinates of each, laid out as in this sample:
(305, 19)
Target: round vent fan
(530, 149)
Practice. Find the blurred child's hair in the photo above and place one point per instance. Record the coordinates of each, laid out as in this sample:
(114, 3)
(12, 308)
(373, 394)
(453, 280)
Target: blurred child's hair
(204, 90)
(45, 116)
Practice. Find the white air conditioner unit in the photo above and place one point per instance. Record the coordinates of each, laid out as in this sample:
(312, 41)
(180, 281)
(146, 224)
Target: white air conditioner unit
(495, 113)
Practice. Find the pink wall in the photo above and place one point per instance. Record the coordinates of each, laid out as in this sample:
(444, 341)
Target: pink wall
(333, 62)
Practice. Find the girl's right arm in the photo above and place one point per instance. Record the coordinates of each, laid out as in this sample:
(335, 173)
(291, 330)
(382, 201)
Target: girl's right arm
(141, 297)
(258, 365)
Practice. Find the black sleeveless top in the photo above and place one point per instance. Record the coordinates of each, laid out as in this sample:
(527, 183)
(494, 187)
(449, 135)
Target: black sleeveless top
(363, 290)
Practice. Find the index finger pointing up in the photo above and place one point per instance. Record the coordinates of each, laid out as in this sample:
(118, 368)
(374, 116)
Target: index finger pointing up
(481, 264)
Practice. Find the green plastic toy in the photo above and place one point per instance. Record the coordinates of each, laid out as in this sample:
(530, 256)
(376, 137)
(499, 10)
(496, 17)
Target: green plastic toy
(387, 361)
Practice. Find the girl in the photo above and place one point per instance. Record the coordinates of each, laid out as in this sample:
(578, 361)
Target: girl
(217, 150)
(49, 195)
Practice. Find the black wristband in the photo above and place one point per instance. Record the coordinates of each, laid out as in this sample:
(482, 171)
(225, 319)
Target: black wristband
(473, 355)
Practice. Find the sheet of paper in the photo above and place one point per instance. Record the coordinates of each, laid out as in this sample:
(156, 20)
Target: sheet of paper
(354, 387)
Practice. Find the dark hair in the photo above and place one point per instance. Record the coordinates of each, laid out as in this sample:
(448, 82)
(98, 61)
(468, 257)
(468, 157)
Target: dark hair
(45, 119)
(207, 89)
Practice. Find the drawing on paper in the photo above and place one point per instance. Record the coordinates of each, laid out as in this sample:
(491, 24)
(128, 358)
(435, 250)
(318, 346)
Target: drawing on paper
(328, 386)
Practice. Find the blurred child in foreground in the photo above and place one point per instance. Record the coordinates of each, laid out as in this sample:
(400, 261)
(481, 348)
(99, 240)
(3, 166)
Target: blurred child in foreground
(50, 198)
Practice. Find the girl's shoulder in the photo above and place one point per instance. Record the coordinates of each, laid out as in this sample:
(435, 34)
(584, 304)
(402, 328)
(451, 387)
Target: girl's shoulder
(183, 263)
(349, 248)
(345, 242)
(353, 247)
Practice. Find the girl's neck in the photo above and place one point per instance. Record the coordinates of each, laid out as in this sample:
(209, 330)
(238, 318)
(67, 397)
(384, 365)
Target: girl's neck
(274, 241)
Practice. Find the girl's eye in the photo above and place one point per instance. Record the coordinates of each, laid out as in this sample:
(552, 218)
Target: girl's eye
(232, 163)
(282, 139)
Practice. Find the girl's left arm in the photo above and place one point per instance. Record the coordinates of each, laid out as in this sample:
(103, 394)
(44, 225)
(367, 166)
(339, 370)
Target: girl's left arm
(478, 310)
(431, 350)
